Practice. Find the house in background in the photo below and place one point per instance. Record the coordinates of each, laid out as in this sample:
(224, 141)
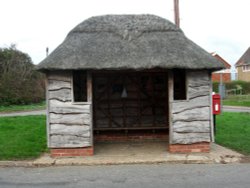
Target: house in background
(128, 75)
(223, 75)
(243, 66)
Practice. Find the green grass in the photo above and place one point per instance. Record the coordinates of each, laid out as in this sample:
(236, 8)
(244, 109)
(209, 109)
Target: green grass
(237, 100)
(15, 108)
(22, 137)
(233, 131)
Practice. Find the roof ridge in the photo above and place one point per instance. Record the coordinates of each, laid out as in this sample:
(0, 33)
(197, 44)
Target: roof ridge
(244, 59)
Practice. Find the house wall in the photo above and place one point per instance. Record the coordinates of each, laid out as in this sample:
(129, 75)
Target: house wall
(191, 118)
(244, 76)
(226, 77)
(69, 124)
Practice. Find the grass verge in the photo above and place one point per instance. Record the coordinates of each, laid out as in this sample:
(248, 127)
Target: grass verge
(237, 100)
(233, 131)
(16, 108)
(22, 137)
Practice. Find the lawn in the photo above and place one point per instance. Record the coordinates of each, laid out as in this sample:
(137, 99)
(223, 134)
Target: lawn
(237, 100)
(15, 108)
(233, 131)
(22, 137)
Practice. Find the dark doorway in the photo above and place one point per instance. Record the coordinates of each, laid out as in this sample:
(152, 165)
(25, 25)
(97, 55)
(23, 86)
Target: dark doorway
(130, 101)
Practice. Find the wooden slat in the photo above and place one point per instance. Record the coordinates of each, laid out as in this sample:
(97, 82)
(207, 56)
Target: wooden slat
(70, 119)
(69, 141)
(70, 109)
(56, 85)
(63, 95)
(192, 115)
(192, 127)
(75, 130)
(198, 102)
(190, 138)
(60, 76)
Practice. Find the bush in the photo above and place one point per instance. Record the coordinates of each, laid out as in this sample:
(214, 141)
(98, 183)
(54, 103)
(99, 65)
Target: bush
(216, 87)
(19, 82)
(232, 85)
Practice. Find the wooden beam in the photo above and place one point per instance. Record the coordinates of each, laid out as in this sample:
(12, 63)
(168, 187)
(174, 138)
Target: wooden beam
(89, 87)
(47, 111)
(89, 99)
(170, 101)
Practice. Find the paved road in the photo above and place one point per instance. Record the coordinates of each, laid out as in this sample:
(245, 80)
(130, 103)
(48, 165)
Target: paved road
(235, 109)
(25, 113)
(129, 176)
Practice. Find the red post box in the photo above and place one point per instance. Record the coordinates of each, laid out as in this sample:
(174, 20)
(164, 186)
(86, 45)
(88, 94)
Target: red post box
(216, 104)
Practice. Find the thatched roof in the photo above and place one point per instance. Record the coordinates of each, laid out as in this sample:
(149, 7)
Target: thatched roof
(119, 42)
(244, 59)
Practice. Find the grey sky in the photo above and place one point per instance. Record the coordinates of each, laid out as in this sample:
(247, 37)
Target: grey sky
(215, 25)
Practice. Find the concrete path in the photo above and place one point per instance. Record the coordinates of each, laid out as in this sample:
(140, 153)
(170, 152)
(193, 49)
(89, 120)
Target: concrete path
(23, 113)
(235, 109)
(142, 153)
(134, 153)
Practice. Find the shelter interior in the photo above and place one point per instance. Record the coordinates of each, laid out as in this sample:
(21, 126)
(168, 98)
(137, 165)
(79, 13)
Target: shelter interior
(128, 103)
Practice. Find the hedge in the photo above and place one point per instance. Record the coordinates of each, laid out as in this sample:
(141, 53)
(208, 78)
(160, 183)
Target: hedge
(232, 85)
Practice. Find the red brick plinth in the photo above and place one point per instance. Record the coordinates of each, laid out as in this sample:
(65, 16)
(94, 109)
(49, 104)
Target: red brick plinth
(203, 147)
(71, 152)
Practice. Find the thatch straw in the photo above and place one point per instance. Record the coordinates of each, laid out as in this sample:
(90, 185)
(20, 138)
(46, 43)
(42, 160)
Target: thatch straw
(118, 42)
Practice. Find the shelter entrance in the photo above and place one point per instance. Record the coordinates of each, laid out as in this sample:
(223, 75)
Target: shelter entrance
(131, 102)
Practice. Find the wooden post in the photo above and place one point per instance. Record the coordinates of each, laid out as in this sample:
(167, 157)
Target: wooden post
(47, 110)
(211, 103)
(170, 100)
(176, 13)
(89, 87)
(89, 99)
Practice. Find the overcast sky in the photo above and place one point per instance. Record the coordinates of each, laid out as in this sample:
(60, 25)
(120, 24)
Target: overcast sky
(220, 26)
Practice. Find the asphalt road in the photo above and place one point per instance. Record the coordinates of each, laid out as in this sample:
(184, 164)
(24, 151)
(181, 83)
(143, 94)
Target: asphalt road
(129, 176)
(23, 113)
(235, 109)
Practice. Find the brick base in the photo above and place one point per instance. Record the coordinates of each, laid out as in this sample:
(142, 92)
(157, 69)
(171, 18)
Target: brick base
(72, 152)
(203, 147)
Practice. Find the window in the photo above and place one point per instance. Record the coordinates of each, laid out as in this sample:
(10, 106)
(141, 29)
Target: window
(180, 92)
(80, 86)
(246, 68)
